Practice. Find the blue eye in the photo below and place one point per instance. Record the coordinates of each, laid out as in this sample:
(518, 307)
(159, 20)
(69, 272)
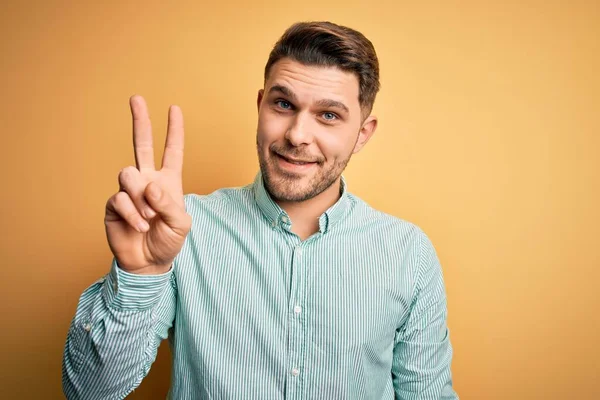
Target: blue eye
(329, 116)
(284, 104)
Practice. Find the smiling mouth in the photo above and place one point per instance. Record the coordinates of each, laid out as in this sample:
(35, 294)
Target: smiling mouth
(294, 161)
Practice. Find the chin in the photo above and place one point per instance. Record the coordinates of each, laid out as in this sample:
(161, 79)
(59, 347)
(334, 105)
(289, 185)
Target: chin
(283, 186)
(293, 188)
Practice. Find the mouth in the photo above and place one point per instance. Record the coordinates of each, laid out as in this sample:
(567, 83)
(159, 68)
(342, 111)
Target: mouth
(294, 164)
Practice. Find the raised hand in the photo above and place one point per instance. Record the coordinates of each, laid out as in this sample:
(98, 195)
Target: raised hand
(146, 222)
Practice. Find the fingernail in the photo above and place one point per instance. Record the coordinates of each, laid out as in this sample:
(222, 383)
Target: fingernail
(143, 226)
(149, 213)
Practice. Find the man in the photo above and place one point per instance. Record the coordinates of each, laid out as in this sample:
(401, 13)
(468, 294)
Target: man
(290, 287)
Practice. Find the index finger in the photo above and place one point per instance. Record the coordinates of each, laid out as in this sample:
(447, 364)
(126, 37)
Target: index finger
(173, 155)
(142, 133)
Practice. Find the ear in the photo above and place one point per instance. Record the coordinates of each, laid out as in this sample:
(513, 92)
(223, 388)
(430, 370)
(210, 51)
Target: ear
(366, 132)
(261, 92)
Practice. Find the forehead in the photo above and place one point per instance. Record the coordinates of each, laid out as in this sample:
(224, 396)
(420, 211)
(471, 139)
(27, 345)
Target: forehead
(311, 83)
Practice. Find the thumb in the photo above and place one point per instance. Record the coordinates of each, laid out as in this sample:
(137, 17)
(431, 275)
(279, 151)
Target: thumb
(166, 207)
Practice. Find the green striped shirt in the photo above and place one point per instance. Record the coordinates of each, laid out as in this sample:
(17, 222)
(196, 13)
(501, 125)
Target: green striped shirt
(356, 311)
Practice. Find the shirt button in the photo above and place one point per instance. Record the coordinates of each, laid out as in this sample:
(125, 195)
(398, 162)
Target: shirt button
(87, 327)
(297, 310)
(295, 372)
(285, 220)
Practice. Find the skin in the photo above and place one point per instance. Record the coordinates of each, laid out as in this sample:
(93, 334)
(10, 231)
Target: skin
(146, 222)
(311, 114)
(305, 114)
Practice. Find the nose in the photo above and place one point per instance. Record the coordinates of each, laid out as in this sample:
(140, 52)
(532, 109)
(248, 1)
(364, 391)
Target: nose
(299, 132)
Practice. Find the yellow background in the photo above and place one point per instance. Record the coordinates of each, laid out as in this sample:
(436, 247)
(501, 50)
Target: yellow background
(488, 139)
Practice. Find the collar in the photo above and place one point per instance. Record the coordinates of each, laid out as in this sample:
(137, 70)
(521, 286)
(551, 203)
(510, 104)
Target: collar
(275, 215)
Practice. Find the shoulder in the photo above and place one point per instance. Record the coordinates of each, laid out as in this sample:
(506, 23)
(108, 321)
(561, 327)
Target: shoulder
(364, 214)
(231, 197)
(402, 241)
(397, 232)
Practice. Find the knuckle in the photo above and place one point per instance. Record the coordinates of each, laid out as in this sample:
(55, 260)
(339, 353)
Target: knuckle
(110, 202)
(127, 174)
(130, 169)
(120, 200)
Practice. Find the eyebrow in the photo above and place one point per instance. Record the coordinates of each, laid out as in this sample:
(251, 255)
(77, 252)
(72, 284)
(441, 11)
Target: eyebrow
(322, 103)
(283, 90)
(333, 104)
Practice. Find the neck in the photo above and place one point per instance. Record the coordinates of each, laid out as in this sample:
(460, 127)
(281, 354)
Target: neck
(305, 214)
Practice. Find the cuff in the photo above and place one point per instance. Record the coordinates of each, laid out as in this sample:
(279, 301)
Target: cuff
(132, 292)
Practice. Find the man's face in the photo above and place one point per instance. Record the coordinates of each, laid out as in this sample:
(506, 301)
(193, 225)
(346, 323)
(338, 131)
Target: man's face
(309, 125)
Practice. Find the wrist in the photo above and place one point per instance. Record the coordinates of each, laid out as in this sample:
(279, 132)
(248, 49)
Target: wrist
(154, 269)
(149, 270)
(138, 290)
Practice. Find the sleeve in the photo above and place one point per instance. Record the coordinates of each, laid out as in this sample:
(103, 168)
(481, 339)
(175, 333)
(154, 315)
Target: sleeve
(422, 349)
(113, 338)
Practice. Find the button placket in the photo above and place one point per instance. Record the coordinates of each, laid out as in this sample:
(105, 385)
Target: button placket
(296, 322)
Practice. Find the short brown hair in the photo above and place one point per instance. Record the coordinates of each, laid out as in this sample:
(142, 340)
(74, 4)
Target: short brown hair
(332, 45)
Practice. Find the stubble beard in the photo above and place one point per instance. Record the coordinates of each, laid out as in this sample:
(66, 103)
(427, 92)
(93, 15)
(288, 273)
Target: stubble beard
(284, 186)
